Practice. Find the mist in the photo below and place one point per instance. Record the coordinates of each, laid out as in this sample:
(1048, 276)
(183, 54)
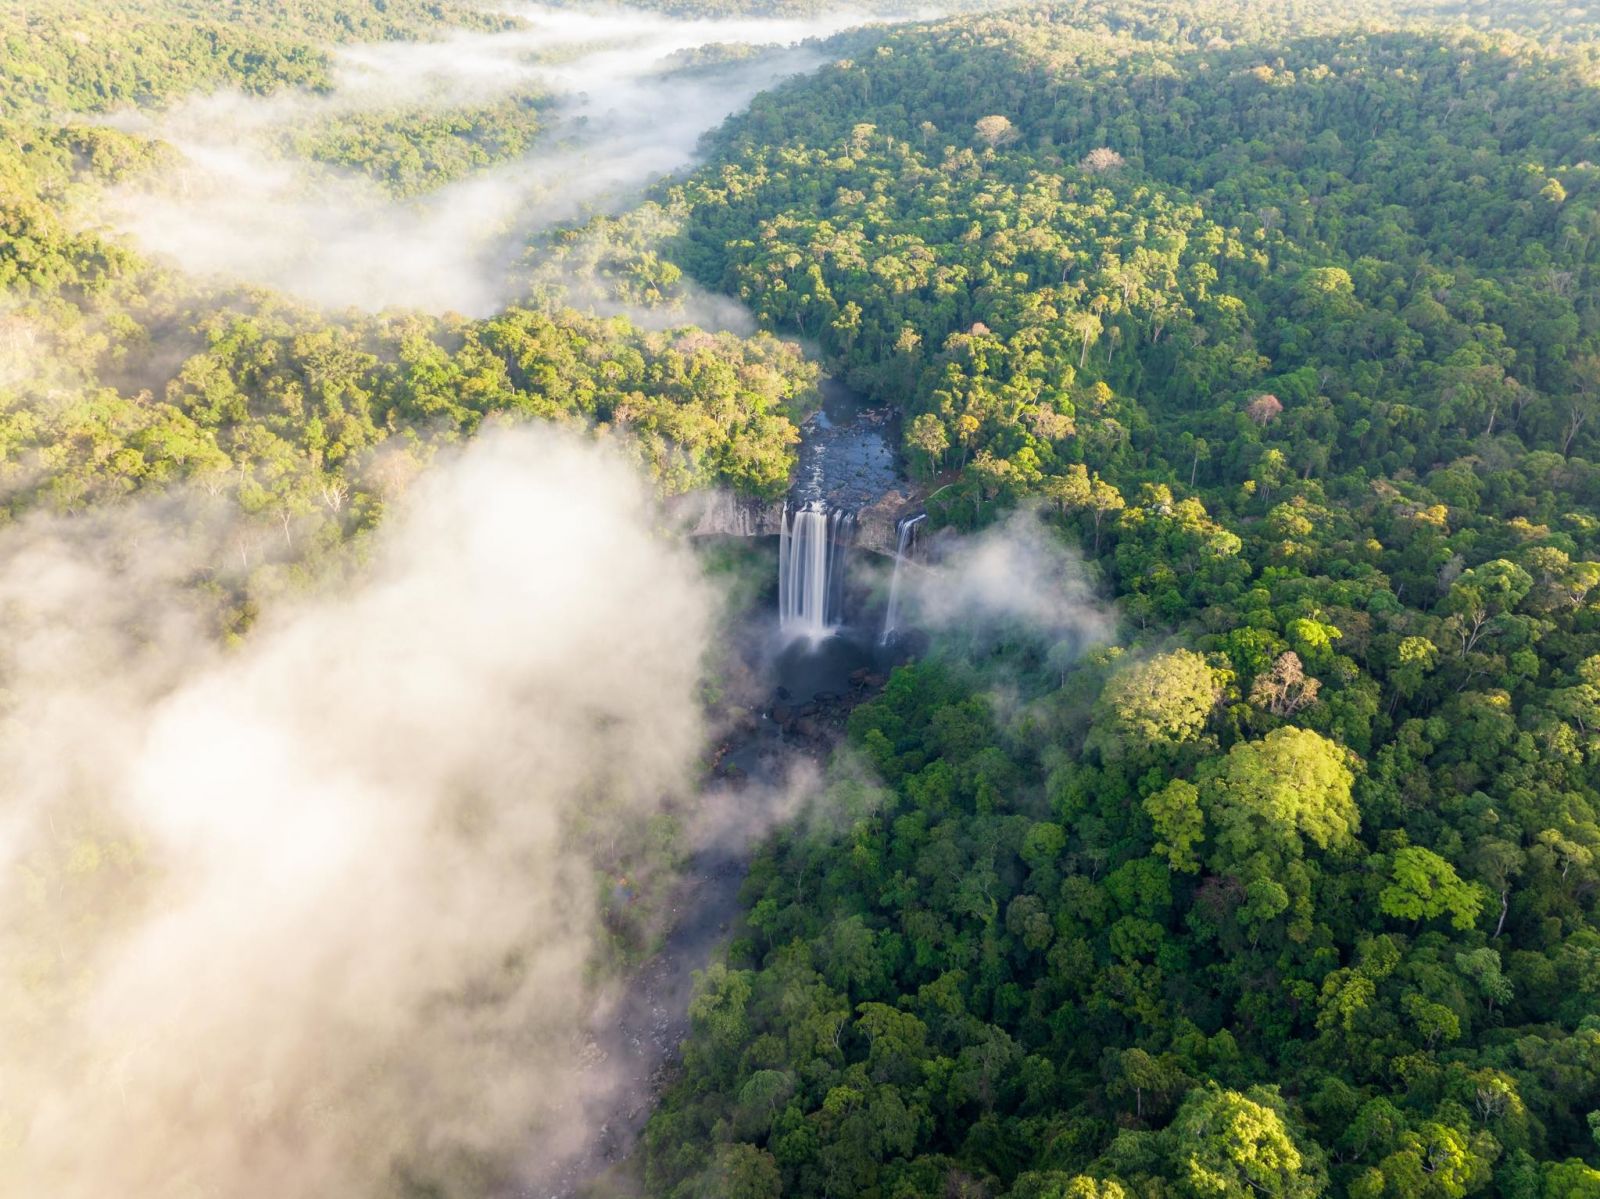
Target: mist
(1014, 578)
(315, 915)
(575, 268)
(618, 119)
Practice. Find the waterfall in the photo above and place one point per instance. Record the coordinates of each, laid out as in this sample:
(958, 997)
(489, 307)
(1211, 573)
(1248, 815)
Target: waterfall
(906, 535)
(811, 545)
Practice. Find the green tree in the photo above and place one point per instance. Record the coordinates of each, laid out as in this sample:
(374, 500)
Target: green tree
(740, 1171)
(1293, 785)
(1483, 968)
(1162, 701)
(1179, 823)
(1423, 885)
(1237, 1146)
(928, 437)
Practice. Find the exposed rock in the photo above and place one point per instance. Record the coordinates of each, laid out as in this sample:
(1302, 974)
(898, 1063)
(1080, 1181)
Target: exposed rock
(878, 505)
(877, 523)
(724, 514)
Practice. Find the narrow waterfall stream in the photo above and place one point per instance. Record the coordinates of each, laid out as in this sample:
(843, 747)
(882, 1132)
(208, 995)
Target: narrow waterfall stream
(905, 539)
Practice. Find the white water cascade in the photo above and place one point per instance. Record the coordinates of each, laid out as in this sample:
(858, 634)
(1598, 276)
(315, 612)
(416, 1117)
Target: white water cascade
(811, 547)
(906, 537)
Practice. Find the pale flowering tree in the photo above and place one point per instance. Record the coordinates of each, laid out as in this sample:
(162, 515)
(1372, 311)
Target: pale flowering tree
(1264, 409)
(995, 130)
(1101, 160)
(1286, 688)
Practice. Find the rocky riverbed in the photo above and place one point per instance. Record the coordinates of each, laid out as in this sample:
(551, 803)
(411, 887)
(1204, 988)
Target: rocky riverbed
(634, 1043)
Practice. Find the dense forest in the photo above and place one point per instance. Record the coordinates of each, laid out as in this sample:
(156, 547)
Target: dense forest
(1283, 314)
(1288, 317)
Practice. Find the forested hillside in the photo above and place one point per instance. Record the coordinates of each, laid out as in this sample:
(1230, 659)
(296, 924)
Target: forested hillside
(1287, 316)
(118, 374)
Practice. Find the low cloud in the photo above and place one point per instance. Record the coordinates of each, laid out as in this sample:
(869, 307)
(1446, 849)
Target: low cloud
(312, 916)
(1015, 578)
(617, 121)
(591, 268)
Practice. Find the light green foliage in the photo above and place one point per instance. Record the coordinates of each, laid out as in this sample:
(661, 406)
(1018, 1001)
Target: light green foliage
(1483, 967)
(75, 55)
(1179, 823)
(1423, 885)
(1571, 1179)
(1056, 1185)
(1436, 1161)
(1414, 658)
(1275, 795)
(1314, 639)
(414, 150)
(1434, 1021)
(1235, 1146)
(926, 436)
(1162, 701)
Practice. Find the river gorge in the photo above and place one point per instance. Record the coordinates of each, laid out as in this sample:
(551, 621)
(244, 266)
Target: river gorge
(811, 644)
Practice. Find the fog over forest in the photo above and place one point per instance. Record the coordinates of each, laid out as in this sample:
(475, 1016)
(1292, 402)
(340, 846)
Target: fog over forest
(615, 115)
(347, 913)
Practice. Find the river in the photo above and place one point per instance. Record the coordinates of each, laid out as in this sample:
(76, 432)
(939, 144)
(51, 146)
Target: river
(794, 697)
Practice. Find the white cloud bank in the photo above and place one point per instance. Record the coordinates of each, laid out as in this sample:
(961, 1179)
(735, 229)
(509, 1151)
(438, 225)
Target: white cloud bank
(237, 211)
(312, 916)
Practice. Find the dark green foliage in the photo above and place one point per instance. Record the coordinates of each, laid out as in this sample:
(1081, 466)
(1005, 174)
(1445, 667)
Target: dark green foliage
(1293, 328)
